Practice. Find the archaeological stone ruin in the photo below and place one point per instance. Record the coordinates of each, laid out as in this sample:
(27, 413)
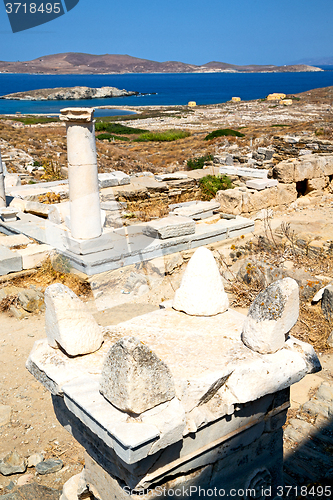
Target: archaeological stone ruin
(186, 399)
(77, 228)
(86, 223)
(190, 399)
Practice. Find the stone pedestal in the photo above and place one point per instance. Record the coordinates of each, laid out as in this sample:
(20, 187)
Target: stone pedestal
(239, 452)
(184, 408)
(2, 186)
(85, 213)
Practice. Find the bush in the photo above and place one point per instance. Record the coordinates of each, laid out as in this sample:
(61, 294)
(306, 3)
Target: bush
(167, 136)
(293, 97)
(110, 137)
(211, 184)
(117, 128)
(223, 132)
(197, 163)
(33, 120)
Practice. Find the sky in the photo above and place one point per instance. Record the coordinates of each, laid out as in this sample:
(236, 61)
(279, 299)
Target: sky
(191, 31)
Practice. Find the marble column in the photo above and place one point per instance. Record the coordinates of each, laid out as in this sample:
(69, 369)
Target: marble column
(2, 185)
(85, 212)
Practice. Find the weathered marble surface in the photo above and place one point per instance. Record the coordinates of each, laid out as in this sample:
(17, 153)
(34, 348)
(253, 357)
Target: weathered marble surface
(134, 379)
(169, 227)
(175, 388)
(201, 292)
(85, 211)
(197, 209)
(68, 323)
(271, 316)
(206, 357)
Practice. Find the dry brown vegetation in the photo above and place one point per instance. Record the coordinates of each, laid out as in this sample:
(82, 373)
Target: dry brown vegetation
(53, 270)
(312, 326)
(148, 210)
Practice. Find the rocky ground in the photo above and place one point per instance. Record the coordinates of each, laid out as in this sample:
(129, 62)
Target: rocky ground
(296, 242)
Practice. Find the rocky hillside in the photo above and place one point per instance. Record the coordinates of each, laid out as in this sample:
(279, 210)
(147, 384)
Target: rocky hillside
(72, 62)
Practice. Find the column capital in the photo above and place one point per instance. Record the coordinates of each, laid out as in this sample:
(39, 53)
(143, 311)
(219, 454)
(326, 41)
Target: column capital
(83, 115)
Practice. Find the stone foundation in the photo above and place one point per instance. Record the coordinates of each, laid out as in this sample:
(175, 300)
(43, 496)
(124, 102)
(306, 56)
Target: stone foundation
(247, 201)
(184, 401)
(296, 177)
(215, 457)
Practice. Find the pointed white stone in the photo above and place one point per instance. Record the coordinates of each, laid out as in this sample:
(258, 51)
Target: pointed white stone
(201, 292)
(68, 323)
(271, 316)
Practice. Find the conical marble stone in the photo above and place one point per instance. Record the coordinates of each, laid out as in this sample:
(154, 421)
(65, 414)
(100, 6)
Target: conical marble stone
(201, 292)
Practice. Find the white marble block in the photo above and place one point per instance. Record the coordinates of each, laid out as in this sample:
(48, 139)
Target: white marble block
(259, 173)
(271, 316)
(201, 292)
(169, 227)
(110, 179)
(68, 323)
(134, 379)
(260, 184)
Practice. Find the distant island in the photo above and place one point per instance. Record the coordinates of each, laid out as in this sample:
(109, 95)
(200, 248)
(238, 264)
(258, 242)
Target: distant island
(68, 93)
(79, 63)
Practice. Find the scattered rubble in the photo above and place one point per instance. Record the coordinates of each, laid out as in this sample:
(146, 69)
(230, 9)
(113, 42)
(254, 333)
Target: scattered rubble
(12, 464)
(48, 466)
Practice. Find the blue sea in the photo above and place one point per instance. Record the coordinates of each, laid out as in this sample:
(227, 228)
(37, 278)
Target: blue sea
(160, 89)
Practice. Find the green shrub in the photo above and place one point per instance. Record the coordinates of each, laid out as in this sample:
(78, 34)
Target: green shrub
(211, 184)
(223, 132)
(280, 125)
(167, 136)
(111, 137)
(196, 163)
(117, 128)
(32, 120)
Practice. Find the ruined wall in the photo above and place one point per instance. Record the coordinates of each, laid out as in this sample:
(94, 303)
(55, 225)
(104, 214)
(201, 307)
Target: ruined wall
(297, 177)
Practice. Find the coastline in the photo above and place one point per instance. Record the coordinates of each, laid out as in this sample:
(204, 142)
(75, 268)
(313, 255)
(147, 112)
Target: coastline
(157, 89)
(162, 73)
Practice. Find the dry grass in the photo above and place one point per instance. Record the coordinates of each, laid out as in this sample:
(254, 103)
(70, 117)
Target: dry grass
(52, 171)
(148, 210)
(49, 198)
(312, 326)
(55, 270)
(7, 302)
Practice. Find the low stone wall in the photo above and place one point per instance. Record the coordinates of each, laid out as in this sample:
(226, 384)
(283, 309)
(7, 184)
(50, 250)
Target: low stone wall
(309, 167)
(246, 201)
(297, 176)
